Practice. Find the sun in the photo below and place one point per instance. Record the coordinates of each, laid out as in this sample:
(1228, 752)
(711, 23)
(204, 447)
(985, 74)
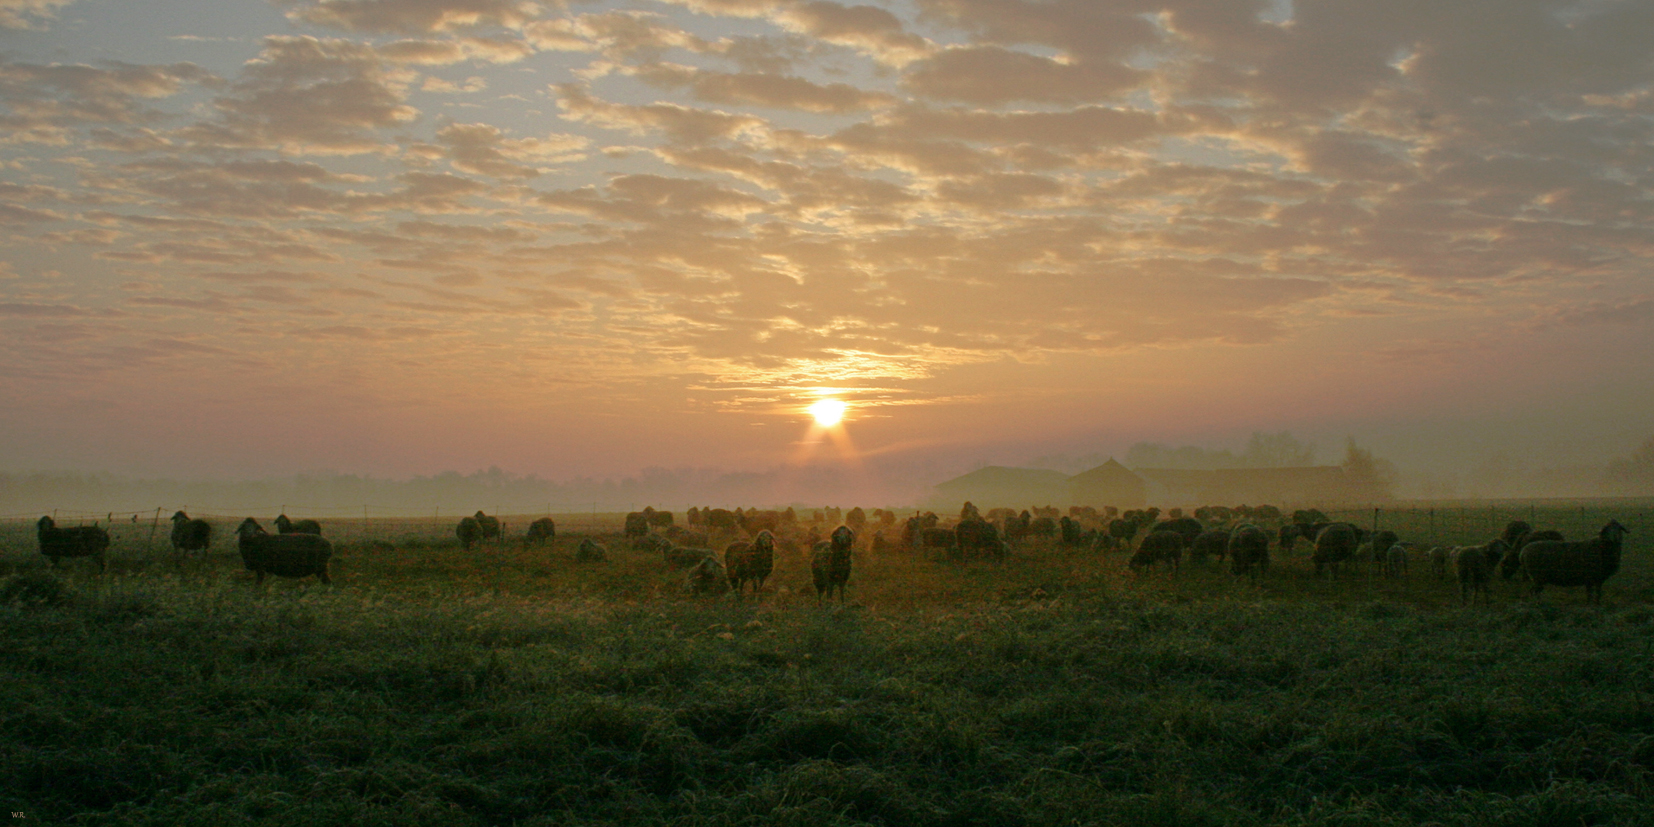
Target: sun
(828, 412)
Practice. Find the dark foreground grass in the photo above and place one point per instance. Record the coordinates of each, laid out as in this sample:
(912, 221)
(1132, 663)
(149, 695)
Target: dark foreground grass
(430, 687)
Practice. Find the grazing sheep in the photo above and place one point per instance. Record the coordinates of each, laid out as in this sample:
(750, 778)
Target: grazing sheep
(1159, 546)
(1335, 544)
(80, 541)
(468, 531)
(750, 561)
(830, 563)
(591, 551)
(1381, 543)
(488, 527)
(684, 537)
(284, 555)
(1512, 563)
(855, 518)
(1248, 550)
(1289, 534)
(1073, 533)
(1585, 563)
(637, 524)
(707, 577)
(978, 538)
(936, 539)
(540, 532)
(286, 526)
(1121, 532)
(1308, 515)
(191, 535)
(658, 519)
(683, 557)
(1475, 565)
(1213, 542)
(1045, 527)
(693, 516)
(1514, 531)
(1438, 560)
(717, 518)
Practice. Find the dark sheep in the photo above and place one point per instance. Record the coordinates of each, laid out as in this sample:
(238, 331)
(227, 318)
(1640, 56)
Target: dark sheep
(284, 555)
(1042, 526)
(717, 518)
(1512, 563)
(750, 562)
(707, 576)
(969, 511)
(468, 531)
(755, 521)
(1121, 532)
(693, 516)
(1157, 547)
(1289, 535)
(1475, 565)
(913, 530)
(637, 524)
(1514, 531)
(1309, 515)
(540, 532)
(1073, 533)
(1335, 544)
(80, 541)
(1212, 542)
(489, 526)
(683, 557)
(978, 539)
(1584, 563)
(856, 519)
(591, 551)
(658, 519)
(1249, 550)
(936, 539)
(1189, 527)
(830, 563)
(191, 535)
(684, 537)
(287, 526)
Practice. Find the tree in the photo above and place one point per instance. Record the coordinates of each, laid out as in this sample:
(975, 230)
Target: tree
(1634, 475)
(1368, 477)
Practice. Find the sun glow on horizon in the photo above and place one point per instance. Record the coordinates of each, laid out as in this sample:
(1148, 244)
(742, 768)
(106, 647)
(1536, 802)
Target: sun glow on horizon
(828, 412)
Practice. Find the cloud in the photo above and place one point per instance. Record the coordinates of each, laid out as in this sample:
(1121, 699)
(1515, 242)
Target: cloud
(764, 89)
(482, 149)
(412, 16)
(46, 103)
(29, 14)
(991, 76)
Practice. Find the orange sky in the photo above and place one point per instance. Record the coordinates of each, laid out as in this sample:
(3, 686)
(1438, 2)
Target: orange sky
(397, 237)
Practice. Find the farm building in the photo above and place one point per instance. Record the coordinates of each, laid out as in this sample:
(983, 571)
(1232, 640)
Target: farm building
(1108, 484)
(996, 486)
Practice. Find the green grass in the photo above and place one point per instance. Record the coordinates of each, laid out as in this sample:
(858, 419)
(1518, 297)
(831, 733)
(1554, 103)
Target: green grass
(514, 686)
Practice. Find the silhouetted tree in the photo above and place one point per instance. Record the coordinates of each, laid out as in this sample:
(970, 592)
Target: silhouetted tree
(1368, 477)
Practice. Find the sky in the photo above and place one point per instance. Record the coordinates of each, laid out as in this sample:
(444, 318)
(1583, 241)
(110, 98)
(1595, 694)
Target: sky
(582, 239)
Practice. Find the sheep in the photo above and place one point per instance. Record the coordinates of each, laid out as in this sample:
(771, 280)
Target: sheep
(750, 562)
(717, 518)
(80, 541)
(1042, 526)
(190, 535)
(978, 538)
(658, 519)
(1249, 550)
(856, 518)
(540, 532)
(1585, 563)
(284, 555)
(1333, 545)
(1438, 561)
(1395, 560)
(1156, 547)
(684, 557)
(968, 511)
(1475, 565)
(468, 531)
(591, 551)
(1210, 542)
(1289, 534)
(707, 577)
(1512, 563)
(287, 526)
(1189, 527)
(755, 521)
(684, 537)
(830, 563)
(1073, 533)
(939, 540)
(490, 526)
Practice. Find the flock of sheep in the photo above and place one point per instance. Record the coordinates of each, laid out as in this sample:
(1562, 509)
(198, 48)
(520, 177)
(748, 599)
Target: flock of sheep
(1542, 558)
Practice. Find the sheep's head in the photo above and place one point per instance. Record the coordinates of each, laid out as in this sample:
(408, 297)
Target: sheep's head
(45, 523)
(1614, 532)
(179, 516)
(764, 541)
(843, 537)
(249, 528)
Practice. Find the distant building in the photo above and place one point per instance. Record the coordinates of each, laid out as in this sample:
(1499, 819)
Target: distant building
(997, 486)
(1247, 486)
(1108, 484)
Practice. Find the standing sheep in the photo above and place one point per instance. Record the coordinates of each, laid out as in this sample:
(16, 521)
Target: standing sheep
(1212, 542)
(830, 563)
(978, 538)
(1587, 563)
(1475, 565)
(750, 562)
(190, 535)
(284, 555)
(1512, 563)
(1335, 544)
(81, 541)
(590, 551)
(1249, 550)
(1438, 561)
(288, 526)
(489, 526)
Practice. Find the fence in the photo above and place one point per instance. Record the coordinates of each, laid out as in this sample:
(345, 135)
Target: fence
(1470, 523)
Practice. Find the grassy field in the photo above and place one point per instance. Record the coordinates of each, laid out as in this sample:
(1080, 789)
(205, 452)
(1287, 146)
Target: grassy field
(515, 686)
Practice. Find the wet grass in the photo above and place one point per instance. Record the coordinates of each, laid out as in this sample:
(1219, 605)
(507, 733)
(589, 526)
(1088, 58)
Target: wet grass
(515, 686)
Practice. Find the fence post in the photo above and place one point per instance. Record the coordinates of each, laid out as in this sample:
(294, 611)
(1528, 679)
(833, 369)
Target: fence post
(149, 548)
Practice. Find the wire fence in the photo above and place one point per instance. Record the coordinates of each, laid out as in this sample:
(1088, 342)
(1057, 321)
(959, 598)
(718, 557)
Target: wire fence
(1473, 523)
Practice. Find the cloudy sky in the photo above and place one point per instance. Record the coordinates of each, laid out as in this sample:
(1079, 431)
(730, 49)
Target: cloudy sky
(395, 237)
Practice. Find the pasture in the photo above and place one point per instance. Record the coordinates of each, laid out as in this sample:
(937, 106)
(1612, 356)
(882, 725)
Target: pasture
(512, 685)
